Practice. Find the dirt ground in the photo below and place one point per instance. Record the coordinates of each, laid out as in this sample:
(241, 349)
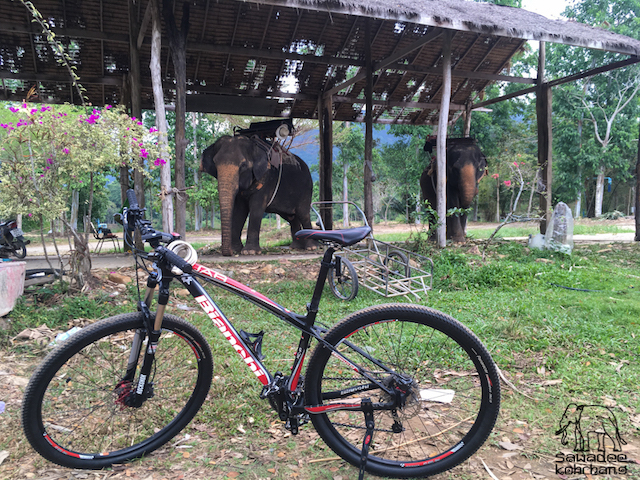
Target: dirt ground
(513, 454)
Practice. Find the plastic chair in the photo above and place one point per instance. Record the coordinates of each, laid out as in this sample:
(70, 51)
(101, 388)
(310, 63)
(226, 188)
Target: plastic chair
(102, 234)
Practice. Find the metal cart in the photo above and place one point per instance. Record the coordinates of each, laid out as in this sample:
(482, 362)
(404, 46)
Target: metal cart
(379, 266)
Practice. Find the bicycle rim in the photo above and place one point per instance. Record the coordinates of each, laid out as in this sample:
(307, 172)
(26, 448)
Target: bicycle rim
(346, 286)
(451, 384)
(75, 412)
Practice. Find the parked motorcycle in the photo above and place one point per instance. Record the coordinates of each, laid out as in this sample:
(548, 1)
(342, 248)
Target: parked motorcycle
(12, 241)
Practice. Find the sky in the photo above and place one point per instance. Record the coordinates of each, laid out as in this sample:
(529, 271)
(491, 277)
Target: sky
(548, 8)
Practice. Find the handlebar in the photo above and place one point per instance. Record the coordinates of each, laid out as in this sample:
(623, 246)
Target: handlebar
(135, 221)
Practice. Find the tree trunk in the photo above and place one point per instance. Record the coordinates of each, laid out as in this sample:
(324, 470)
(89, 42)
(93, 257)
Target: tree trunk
(75, 206)
(599, 192)
(178, 43)
(637, 202)
(345, 195)
(161, 121)
(498, 200)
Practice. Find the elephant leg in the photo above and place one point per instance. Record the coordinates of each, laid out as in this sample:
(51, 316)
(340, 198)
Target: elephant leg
(612, 432)
(238, 219)
(298, 222)
(455, 228)
(252, 246)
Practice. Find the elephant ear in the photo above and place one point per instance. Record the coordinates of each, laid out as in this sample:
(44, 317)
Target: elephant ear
(260, 163)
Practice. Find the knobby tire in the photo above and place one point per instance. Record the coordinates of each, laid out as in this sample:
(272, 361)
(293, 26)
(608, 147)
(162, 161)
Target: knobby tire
(452, 389)
(73, 411)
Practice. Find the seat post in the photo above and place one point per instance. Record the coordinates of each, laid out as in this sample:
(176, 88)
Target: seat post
(325, 264)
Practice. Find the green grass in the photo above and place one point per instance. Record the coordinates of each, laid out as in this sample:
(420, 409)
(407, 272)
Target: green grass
(510, 231)
(544, 316)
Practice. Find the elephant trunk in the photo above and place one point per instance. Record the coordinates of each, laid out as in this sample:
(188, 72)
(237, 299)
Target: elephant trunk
(468, 185)
(227, 190)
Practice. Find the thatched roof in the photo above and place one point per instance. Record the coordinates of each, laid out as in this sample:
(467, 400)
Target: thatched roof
(481, 18)
(276, 57)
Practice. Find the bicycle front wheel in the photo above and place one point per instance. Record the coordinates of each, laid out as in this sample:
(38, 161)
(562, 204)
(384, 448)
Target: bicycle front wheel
(75, 410)
(444, 382)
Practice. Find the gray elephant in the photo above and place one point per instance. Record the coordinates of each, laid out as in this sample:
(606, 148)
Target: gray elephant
(586, 420)
(466, 165)
(254, 178)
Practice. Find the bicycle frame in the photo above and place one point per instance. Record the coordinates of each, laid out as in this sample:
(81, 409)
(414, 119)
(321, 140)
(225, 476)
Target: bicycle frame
(304, 323)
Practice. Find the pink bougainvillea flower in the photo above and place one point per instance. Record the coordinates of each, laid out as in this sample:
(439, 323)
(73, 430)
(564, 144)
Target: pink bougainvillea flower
(107, 107)
(495, 175)
(159, 161)
(65, 150)
(153, 130)
(507, 183)
(14, 109)
(515, 163)
(144, 153)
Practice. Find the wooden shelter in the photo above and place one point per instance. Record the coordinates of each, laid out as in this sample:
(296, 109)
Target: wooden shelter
(356, 60)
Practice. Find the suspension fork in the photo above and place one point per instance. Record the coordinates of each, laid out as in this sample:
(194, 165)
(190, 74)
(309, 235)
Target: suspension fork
(154, 330)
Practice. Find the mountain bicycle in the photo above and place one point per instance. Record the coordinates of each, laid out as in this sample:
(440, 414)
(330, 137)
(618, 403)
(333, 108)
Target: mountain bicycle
(397, 390)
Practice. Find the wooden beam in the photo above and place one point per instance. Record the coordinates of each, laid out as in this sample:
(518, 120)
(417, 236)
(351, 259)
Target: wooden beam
(429, 37)
(560, 81)
(595, 71)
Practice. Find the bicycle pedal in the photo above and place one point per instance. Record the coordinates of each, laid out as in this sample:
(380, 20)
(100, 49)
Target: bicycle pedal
(254, 342)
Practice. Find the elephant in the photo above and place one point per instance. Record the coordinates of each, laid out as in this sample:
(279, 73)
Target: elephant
(590, 419)
(255, 177)
(466, 165)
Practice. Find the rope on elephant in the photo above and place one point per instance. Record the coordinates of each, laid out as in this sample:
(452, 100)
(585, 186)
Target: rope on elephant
(275, 192)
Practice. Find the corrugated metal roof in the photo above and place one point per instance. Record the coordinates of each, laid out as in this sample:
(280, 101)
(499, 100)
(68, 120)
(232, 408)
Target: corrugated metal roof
(275, 58)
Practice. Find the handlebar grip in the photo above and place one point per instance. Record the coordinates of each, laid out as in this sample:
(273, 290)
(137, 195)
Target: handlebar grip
(175, 259)
(133, 200)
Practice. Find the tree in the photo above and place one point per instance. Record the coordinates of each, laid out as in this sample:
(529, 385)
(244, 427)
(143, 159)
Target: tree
(600, 109)
(47, 154)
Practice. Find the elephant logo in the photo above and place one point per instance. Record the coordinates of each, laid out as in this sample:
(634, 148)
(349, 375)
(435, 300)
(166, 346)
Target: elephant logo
(589, 421)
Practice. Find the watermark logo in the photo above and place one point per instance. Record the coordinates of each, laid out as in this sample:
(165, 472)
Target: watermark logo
(588, 429)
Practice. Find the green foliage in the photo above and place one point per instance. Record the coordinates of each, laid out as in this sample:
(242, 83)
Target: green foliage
(595, 119)
(48, 152)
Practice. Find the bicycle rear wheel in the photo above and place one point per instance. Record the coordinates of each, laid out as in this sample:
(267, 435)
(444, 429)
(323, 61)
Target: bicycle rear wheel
(448, 382)
(74, 410)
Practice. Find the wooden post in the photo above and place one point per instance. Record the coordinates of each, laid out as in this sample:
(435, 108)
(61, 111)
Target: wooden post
(368, 118)
(325, 124)
(178, 48)
(467, 119)
(161, 118)
(544, 120)
(135, 93)
(441, 195)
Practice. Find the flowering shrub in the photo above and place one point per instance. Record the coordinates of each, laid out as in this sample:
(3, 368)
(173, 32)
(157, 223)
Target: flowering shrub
(46, 153)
